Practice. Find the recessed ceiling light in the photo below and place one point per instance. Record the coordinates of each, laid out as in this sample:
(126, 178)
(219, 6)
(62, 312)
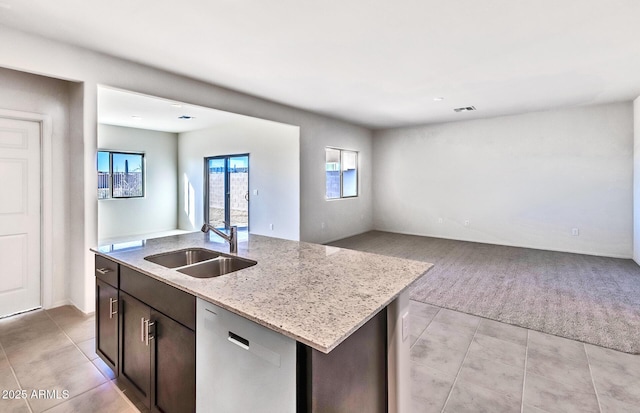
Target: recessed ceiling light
(136, 117)
(186, 117)
(438, 99)
(176, 105)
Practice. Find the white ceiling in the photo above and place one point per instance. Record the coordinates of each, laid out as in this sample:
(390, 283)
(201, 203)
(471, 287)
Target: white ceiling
(374, 62)
(133, 110)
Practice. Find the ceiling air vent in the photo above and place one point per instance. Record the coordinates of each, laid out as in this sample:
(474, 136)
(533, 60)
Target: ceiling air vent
(465, 109)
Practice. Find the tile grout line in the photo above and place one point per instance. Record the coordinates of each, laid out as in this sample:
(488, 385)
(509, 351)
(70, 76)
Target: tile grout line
(593, 381)
(524, 377)
(70, 339)
(425, 329)
(78, 348)
(85, 356)
(15, 377)
(466, 354)
(111, 382)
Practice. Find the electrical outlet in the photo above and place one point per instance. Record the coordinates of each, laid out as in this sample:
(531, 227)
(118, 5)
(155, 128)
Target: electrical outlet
(271, 227)
(255, 192)
(322, 225)
(575, 232)
(466, 222)
(405, 326)
(440, 220)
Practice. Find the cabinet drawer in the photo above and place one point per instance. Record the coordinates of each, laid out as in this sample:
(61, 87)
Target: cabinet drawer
(107, 271)
(107, 324)
(174, 303)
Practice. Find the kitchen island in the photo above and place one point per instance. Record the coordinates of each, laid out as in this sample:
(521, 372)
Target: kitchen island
(319, 296)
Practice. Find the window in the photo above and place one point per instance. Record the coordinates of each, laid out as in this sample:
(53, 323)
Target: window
(227, 191)
(341, 168)
(120, 175)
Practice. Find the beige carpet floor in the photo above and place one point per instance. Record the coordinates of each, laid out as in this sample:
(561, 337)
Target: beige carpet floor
(582, 297)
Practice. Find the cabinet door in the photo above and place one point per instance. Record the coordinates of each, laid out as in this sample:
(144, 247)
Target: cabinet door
(135, 362)
(107, 324)
(174, 366)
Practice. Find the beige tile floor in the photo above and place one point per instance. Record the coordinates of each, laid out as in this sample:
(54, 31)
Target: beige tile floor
(54, 350)
(459, 363)
(462, 363)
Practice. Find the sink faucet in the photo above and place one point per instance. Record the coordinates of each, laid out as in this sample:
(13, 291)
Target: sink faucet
(232, 238)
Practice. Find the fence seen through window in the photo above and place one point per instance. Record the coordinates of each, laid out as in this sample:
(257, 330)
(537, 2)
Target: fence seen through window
(120, 175)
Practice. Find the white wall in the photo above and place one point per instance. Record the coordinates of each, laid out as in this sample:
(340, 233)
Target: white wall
(341, 217)
(523, 180)
(35, 54)
(636, 180)
(157, 210)
(274, 170)
(80, 290)
(37, 94)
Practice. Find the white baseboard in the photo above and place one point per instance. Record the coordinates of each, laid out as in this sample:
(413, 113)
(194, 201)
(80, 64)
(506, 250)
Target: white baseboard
(582, 252)
(58, 303)
(80, 309)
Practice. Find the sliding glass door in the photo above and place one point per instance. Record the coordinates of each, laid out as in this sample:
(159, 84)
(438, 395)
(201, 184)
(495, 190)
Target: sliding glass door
(227, 191)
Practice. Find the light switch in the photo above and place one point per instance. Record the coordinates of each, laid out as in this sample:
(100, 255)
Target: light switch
(405, 326)
(255, 192)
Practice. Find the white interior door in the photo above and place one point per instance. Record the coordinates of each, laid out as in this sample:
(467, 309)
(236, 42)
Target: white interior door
(19, 215)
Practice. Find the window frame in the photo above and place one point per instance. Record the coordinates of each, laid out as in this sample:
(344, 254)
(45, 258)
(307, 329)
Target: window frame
(227, 185)
(110, 173)
(340, 169)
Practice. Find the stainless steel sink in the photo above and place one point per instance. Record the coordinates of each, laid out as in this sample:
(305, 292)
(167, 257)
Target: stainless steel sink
(217, 267)
(180, 258)
(212, 263)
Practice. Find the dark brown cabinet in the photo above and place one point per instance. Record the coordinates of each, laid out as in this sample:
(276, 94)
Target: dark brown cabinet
(107, 324)
(174, 366)
(158, 357)
(107, 284)
(155, 345)
(135, 358)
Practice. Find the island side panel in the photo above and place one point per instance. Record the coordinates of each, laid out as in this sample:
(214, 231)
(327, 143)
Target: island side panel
(399, 354)
(353, 376)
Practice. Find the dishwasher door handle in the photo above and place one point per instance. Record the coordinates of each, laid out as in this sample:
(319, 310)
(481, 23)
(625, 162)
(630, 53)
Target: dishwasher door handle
(238, 341)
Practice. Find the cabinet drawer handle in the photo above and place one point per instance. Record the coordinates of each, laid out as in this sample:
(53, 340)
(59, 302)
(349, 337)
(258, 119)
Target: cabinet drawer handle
(145, 336)
(149, 336)
(112, 312)
(103, 271)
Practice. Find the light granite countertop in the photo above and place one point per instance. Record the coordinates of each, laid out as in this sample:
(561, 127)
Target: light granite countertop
(318, 295)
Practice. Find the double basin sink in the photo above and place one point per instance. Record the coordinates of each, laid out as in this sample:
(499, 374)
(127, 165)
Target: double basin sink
(200, 262)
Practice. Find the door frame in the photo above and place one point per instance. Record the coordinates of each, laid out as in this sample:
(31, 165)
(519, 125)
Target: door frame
(46, 199)
(227, 211)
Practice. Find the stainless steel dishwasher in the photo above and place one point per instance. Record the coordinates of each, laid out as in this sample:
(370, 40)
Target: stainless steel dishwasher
(242, 366)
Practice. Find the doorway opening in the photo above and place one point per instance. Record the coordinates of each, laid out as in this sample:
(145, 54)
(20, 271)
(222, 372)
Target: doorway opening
(227, 191)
